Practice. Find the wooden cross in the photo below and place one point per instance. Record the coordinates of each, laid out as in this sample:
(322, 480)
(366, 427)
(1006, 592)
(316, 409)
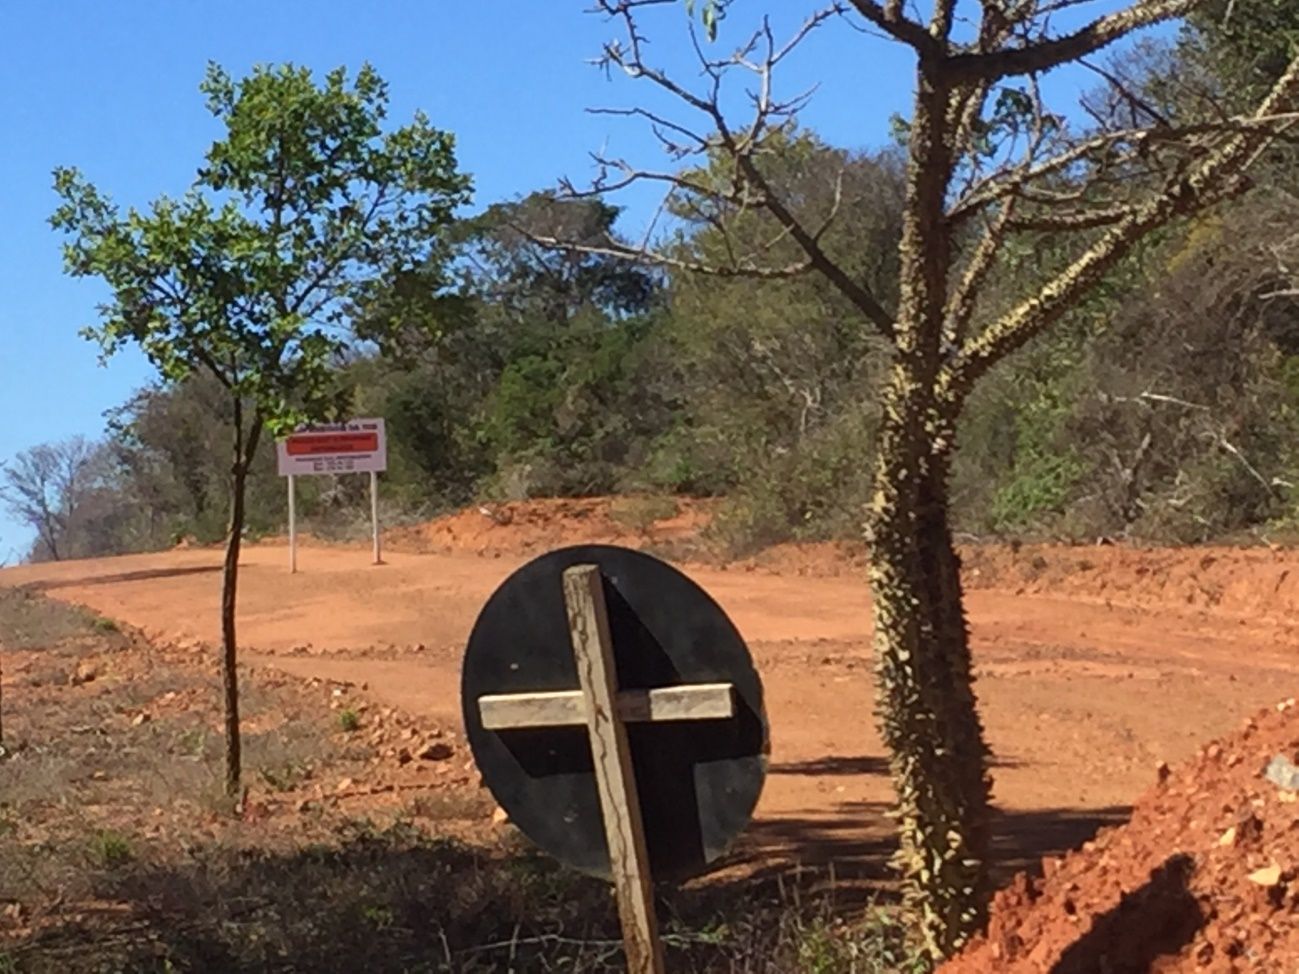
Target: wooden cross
(605, 710)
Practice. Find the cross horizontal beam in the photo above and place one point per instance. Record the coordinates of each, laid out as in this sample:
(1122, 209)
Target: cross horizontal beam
(566, 708)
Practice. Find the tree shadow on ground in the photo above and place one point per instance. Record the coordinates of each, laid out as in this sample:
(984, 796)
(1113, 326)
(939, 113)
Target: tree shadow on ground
(1021, 840)
(875, 764)
(856, 839)
(142, 575)
(853, 845)
(399, 900)
(834, 765)
(1154, 921)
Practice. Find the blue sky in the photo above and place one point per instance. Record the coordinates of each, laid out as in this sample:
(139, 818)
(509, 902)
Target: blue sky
(111, 87)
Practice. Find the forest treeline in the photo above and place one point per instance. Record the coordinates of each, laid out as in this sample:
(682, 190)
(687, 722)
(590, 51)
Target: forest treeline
(1165, 409)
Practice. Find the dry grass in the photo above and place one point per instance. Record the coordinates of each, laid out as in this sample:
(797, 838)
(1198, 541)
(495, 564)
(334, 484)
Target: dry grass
(398, 900)
(30, 621)
(640, 512)
(118, 852)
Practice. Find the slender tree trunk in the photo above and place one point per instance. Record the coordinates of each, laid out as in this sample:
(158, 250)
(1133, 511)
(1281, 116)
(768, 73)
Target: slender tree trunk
(229, 587)
(51, 544)
(926, 705)
(244, 451)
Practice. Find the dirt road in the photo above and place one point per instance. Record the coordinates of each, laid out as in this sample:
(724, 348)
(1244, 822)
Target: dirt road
(1082, 699)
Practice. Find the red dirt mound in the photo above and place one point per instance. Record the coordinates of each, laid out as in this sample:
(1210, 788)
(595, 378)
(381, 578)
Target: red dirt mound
(1260, 582)
(521, 527)
(1257, 583)
(1204, 877)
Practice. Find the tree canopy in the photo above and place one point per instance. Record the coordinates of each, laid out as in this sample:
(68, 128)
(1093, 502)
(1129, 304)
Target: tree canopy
(303, 214)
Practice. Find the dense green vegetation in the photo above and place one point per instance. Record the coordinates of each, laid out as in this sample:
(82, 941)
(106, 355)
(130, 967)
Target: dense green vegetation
(1166, 409)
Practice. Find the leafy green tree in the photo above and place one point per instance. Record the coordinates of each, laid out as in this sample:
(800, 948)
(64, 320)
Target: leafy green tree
(574, 404)
(773, 374)
(168, 444)
(549, 372)
(1247, 45)
(303, 208)
(990, 167)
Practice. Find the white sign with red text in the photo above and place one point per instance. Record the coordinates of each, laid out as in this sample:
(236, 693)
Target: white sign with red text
(357, 446)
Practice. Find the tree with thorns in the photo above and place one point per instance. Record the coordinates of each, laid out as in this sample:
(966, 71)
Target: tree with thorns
(993, 177)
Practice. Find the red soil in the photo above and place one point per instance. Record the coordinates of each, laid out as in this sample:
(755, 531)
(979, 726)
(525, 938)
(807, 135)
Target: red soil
(1095, 664)
(521, 527)
(1204, 877)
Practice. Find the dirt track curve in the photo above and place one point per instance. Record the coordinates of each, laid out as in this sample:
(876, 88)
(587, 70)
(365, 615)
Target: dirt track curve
(1082, 698)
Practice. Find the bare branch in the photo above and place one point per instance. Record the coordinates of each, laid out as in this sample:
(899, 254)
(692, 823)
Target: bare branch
(1215, 178)
(1160, 397)
(1270, 485)
(1044, 55)
(889, 19)
(967, 101)
(602, 185)
(749, 189)
(1013, 180)
(659, 259)
(940, 24)
(962, 302)
(1134, 100)
(808, 25)
(858, 294)
(660, 124)
(1215, 433)
(1087, 219)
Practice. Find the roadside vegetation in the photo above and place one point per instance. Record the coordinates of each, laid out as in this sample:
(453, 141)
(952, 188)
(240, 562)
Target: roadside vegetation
(1163, 409)
(119, 851)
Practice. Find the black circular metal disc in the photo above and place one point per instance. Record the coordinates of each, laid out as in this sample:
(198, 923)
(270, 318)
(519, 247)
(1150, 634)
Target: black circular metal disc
(698, 780)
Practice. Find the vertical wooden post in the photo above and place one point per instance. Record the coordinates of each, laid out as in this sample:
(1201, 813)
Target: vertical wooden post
(374, 514)
(293, 528)
(588, 622)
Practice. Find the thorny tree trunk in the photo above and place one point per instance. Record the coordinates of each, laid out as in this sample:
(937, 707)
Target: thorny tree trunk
(944, 337)
(242, 460)
(926, 704)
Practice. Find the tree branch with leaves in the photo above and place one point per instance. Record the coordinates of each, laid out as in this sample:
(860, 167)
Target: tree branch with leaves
(302, 215)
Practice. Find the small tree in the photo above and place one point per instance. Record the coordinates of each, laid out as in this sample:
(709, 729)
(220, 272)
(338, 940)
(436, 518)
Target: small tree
(992, 177)
(44, 485)
(302, 209)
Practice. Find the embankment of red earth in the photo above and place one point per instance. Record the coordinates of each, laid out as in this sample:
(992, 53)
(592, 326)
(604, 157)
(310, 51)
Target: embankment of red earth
(1203, 877)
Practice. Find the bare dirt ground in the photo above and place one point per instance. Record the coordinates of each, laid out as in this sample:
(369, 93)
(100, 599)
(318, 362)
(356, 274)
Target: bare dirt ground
(1094, 664)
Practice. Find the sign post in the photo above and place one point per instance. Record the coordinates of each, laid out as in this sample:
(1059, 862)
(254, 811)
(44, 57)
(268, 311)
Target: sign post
(374, 514)
(356, 446)
(293, 527)
(651, 767)
(588, 622)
